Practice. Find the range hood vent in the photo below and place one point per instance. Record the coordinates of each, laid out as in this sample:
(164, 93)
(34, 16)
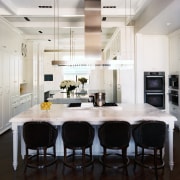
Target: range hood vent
(92, 12)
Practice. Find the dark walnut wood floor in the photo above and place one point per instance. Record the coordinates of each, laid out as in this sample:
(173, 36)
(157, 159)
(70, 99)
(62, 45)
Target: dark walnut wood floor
(95, 173)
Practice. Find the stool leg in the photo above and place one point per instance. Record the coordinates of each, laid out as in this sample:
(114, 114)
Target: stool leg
(83, 156)
(136, 154)
(45, 155)
(104, 158)
(38, 156)
(161, 154)
(26, 160)
(90, 149)
(155, 162)
(142, 157)
(124, 156)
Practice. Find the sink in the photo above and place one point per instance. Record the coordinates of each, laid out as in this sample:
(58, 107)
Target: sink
(74, 105)
(108, 104)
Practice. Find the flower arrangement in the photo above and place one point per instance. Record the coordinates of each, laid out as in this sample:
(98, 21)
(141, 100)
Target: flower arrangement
(69, 85)
(83, 80)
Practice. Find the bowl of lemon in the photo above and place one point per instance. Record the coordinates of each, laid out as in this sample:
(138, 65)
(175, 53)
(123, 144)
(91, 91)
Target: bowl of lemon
(46, 105)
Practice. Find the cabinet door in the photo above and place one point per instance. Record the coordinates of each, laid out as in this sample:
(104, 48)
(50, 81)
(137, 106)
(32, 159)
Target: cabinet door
(6, 90)
(1, 110)
(1, 95)
(14, 69)
(174, 63)
(108, 85)
(22, 71)
(1, 92)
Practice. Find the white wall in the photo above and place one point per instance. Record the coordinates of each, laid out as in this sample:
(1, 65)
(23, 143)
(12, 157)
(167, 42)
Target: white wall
(50, 69)
(152, 54)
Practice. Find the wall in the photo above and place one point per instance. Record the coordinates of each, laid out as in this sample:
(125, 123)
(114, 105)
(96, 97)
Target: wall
(50, 69)
(152, 54)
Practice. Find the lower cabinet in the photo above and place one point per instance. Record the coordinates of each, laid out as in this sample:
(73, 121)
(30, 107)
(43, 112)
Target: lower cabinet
(20, 103)
(175, 111)
(5, 112)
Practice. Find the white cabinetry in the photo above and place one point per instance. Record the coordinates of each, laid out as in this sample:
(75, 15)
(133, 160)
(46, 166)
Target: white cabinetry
(174, 68)
(108, 85)
(119, 83)
(22, 71)
(5, 113)
(20, 103)
(34, 72)
(174, 44)
(25, 102)
(11, 74)
(1, 92)
(175, 111)
(121, 45)
(14, 77)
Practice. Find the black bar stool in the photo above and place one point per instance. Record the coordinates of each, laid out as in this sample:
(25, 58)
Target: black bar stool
(149, 135)
(114, 135)
(39, 136)
(77, 136)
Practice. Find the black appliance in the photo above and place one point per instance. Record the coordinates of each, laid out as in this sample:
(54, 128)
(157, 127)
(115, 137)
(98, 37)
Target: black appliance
(174, 81)
(174, 97)
(155, 99)
(46, 96)
(48, 77)
(154, 89)
(154, 81)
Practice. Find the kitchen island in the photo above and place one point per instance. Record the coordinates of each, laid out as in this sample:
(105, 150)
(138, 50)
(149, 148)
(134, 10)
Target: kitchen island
(61, 98)
(59, 113)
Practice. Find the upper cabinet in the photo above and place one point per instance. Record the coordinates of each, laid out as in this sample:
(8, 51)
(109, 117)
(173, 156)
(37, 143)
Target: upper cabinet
(121, 44)
(174, 44)
(23, 64)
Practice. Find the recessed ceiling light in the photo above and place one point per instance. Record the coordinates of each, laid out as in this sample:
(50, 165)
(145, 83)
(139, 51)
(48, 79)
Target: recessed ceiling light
(109, 6)
(104, 19)
(168, 23)
(26, 18)
(45, 6)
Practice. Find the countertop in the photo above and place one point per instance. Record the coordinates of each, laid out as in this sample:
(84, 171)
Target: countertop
(60, 113)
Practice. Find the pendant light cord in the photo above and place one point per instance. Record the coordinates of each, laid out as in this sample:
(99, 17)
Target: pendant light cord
(54, 26)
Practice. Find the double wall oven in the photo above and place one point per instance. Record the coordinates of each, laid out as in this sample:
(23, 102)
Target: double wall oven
(174, 89)
(154, 89)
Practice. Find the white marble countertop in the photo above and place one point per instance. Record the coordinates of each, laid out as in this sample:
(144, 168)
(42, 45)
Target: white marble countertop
(59, 113)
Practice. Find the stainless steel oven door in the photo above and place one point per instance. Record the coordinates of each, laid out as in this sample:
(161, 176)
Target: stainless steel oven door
(155, 99)
(174, 97)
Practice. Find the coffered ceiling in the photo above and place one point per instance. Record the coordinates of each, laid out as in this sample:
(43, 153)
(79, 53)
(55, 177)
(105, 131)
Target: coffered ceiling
(71, 15)
(35, 18)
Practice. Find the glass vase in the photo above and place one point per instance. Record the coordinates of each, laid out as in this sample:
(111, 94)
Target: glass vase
(68, 94)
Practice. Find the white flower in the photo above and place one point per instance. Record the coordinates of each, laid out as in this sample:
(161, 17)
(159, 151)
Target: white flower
(69, 85)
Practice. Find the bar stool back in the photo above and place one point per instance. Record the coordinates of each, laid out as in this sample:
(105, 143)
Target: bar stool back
(149, 135)
(77, 135)
(115, 135)
(39, 136)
